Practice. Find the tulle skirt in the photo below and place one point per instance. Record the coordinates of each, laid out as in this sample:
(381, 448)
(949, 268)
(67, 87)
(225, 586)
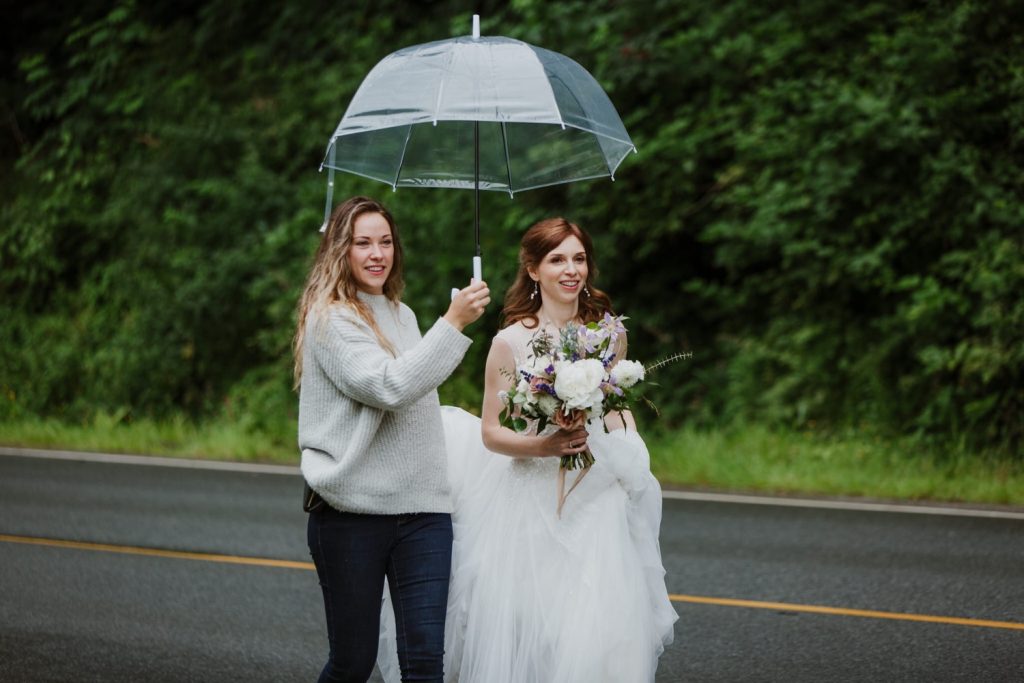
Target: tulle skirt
(536, 597)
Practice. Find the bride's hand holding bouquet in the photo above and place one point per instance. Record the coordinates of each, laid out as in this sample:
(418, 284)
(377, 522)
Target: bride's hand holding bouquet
(570, 382)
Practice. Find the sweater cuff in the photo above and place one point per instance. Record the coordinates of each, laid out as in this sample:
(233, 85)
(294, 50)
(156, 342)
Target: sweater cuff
(452, 335)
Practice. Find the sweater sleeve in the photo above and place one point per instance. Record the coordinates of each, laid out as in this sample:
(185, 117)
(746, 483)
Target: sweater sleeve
(351, 357)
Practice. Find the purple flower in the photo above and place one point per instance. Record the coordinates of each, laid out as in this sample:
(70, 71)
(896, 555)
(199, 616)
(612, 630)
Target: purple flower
(612, 325)
(610, 388)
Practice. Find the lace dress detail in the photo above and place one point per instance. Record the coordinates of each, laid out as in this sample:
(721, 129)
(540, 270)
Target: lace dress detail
(537, 598)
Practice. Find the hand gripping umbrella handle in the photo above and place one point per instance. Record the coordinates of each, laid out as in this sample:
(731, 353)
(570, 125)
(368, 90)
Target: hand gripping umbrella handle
(477, 273)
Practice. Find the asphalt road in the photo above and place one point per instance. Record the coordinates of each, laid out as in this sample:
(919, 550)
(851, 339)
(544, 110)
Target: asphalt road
(93, 609)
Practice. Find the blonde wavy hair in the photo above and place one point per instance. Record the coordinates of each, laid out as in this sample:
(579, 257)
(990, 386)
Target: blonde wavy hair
(331, 280)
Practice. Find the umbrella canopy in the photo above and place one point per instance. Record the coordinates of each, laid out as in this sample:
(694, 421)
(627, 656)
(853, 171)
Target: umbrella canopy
(483, 113)
(543, 119)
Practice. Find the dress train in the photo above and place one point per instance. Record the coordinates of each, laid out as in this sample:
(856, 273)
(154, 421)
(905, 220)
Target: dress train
(537, 598)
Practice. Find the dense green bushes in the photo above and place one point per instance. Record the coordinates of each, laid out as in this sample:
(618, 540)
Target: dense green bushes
(826, 204)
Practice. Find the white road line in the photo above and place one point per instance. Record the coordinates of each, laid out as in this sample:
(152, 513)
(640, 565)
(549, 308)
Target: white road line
(153, 460)
(818, 503)
(700, 496)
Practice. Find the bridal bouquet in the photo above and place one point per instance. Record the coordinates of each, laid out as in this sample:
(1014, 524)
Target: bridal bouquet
(572, 380)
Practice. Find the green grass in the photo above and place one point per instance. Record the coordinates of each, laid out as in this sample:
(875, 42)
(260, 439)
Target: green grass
(758, 459)
(751, 458)
(213, 440)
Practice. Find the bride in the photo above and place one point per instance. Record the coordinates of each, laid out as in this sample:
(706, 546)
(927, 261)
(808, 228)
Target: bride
(537, 596)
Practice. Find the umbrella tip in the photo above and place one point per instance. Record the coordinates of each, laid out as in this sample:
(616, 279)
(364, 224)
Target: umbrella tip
(476, 26)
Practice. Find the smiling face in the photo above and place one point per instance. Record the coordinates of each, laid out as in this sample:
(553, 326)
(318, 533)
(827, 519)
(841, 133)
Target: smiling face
(562, 272)
(371, 253)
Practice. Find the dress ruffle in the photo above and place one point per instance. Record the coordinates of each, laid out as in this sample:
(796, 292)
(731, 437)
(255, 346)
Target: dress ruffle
(535, 597)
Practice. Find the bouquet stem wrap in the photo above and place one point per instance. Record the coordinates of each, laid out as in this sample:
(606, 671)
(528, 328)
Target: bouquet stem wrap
(569, 421)
(562, 493)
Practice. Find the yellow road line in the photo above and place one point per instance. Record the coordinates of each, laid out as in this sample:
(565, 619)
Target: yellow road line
(154, 552)
(696, 599)
(845, 612)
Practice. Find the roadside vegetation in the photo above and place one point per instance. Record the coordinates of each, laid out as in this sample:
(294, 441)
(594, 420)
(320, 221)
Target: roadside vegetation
(825, 209)
(752, 459)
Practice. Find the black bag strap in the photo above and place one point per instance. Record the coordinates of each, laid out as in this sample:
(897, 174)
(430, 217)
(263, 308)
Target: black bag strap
(311, 500)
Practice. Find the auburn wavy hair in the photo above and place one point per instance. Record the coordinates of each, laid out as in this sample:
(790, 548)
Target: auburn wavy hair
(331, 280)
(540, 240)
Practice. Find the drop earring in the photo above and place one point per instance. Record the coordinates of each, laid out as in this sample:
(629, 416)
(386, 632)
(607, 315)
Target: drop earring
(586, 291)
(536, 291)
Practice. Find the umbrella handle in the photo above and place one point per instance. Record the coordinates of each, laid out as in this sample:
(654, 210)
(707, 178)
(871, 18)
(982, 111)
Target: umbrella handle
(477, 273)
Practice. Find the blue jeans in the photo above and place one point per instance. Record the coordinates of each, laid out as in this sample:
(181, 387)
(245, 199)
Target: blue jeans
(352, 554)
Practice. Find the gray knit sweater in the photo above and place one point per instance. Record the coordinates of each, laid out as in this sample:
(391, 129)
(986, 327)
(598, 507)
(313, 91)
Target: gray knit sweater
(370, 424)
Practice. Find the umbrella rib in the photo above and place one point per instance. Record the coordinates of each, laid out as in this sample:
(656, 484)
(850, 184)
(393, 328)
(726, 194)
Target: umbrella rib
(440, 85)
(437, 104)
(401, 162)
(554, 100)
(508, 161)
(607, 163)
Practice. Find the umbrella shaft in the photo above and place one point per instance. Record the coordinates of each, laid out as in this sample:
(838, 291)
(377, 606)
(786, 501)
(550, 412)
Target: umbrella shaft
(476, 188)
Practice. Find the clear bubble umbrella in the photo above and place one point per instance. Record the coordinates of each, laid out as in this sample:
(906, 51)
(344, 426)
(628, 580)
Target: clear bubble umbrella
(480, 113)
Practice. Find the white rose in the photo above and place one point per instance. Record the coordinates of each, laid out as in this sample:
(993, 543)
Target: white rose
(579, 384)
(626, 373)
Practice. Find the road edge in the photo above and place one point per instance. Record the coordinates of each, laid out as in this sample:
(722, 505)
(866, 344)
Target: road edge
(691, 495)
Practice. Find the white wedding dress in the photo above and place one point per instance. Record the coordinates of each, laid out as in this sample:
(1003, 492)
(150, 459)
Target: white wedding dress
(538, 598)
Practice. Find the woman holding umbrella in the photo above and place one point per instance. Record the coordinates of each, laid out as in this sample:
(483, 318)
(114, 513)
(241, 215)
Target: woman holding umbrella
(373, 447)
